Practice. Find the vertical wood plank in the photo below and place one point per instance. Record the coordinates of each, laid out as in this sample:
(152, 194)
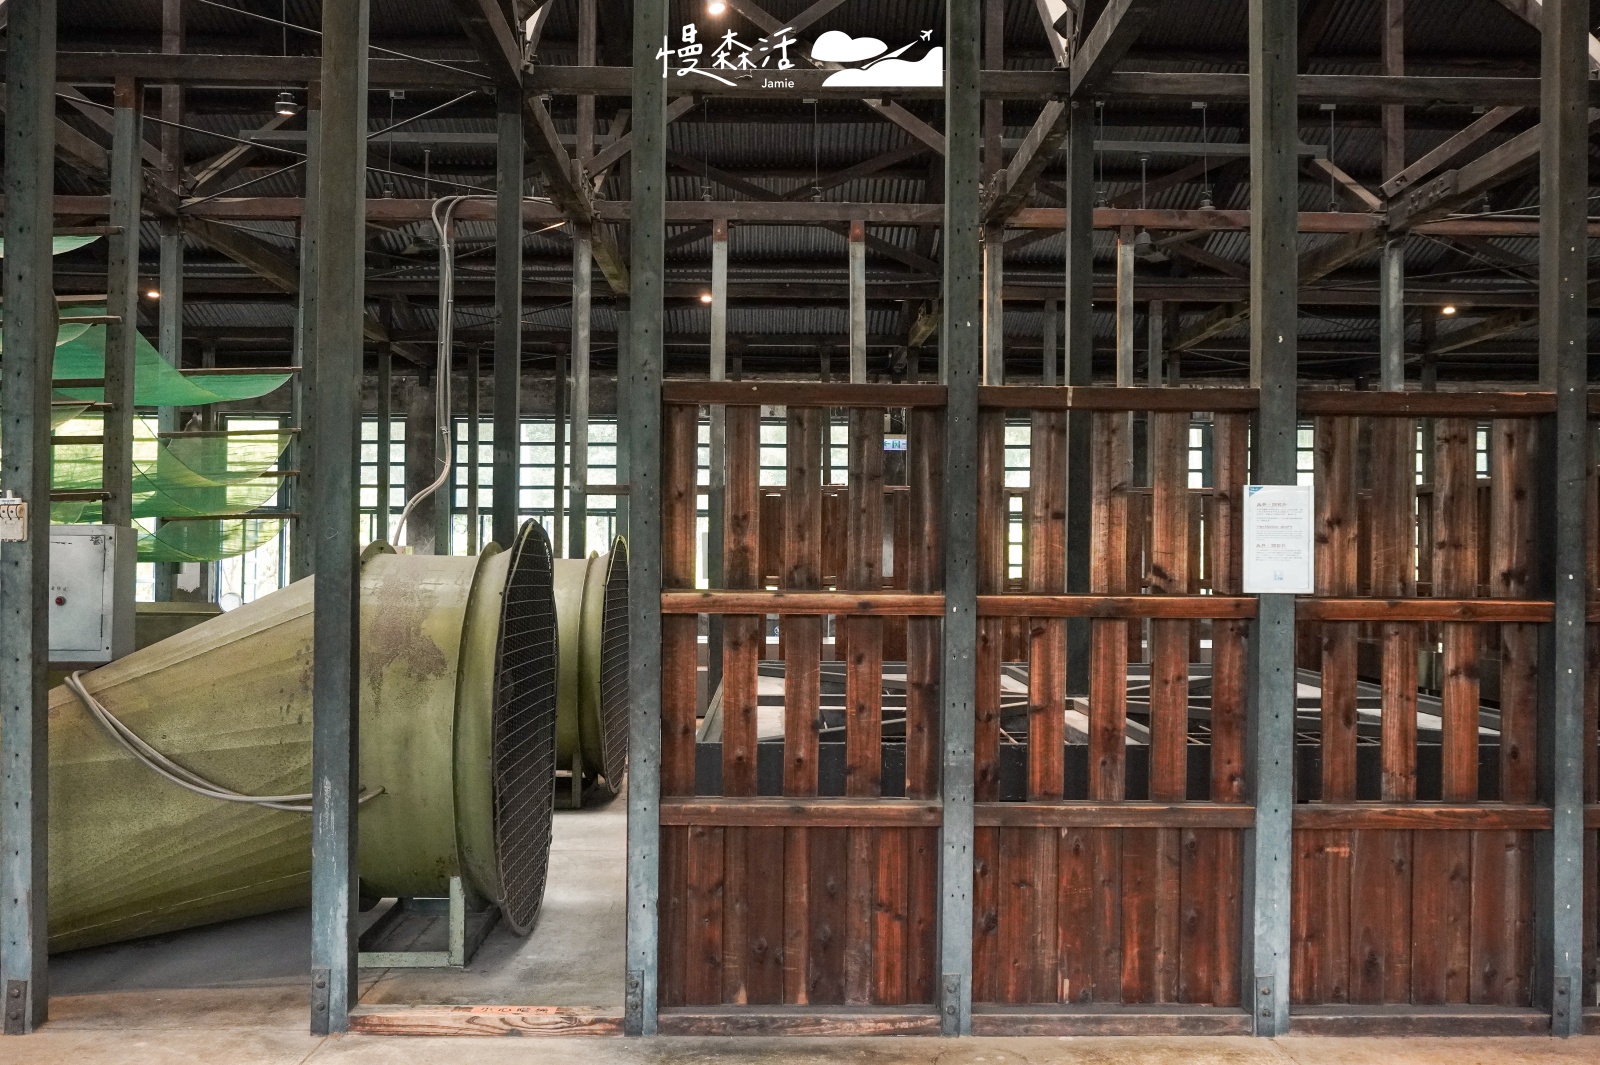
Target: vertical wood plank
(1394, 497)
(1016, 901)
(1201, 907)
(1046, 573)
(1229, 895)
(1112, 463)
(1456, 574)
(1230, 470)
(679, 650)
(1075, 916)
(1380, 909)
(829, 917)
(1043, 874)
(991, 581)
(889, 914)
(986, 981)
(1512, 475)
(742, 635)
(1336, 575)
(801, 569)
(863, 689)
(1168, 913)
(924, 574)
(922, 915)
(702, 985)
(1141, 943)
(1308, 886)
(673, 913)
(1108, 919)
(1441, 910)
(1169, 639)
(766, 886)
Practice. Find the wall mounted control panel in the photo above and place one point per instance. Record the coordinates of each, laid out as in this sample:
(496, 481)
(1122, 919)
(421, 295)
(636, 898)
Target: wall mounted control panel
(90, 594)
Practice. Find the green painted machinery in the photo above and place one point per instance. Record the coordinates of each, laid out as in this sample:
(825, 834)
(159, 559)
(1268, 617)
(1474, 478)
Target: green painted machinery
(458, 731)
(592, 709)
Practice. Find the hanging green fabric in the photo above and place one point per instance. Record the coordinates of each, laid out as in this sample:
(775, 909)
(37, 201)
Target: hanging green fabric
(155, 383)
(207, 541)
(58, 245)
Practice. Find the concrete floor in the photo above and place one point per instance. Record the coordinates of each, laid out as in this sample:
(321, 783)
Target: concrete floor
(235, 994)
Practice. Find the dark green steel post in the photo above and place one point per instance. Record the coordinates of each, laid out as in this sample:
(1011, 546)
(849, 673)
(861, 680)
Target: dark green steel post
(335, 693)
(508, 318)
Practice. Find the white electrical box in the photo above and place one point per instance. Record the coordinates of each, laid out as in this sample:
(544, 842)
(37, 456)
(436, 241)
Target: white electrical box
(90, 599)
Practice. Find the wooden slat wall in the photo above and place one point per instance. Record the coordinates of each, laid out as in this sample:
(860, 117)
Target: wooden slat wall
(1088, 912)
(1425, 916)
(760, 914)
(1591, 741)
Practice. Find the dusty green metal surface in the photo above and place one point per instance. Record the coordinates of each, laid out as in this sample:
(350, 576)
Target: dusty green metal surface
(580, 587)
(131, 854)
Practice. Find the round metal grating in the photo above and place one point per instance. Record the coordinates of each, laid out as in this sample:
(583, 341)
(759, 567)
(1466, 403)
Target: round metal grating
(525, 728)
(614, 670)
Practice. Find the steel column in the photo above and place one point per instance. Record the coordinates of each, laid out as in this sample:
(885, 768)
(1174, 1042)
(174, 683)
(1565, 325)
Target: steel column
(303, 449)
(169, 341)
(30, 328)
(1155, 321)
(858, 300)
(640, 380)
(994, 305)
(1392, 318)
(558, 523)
(335, 741)
(474, 416)
(1078, 323)
(508, 319)
(1563, 358)
(122, 304)
(960, 365)
(1125, 310)
(582, 320)
(1274, 185)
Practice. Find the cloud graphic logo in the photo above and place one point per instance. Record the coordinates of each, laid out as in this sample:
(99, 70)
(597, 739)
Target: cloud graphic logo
(894, 73)
(836, 47)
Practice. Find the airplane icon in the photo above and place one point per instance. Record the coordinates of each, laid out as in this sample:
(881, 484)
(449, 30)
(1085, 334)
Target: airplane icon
(927, 35)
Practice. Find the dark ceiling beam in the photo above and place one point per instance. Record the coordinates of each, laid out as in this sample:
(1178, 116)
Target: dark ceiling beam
(1103, 47)
(497, 44)
(1454, 189)
(1012, 186)
(569, 189)
(1532, 12)
(1448, 152)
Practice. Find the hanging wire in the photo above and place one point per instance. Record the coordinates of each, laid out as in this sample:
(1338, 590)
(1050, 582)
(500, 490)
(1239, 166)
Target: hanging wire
(318, 33)
(1099, 157)
(705, 152)
(1205, 157)
(816, 153)
(1144, 182)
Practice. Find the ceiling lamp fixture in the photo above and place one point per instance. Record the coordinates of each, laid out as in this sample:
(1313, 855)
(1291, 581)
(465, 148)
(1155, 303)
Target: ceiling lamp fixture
(716, 7)
(705, 297)
(1448, 308)
(152, 294)
(286, 104)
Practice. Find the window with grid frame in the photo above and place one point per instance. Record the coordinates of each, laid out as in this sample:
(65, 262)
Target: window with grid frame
(536, 481)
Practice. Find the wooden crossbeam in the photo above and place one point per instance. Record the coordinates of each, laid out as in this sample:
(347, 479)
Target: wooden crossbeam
(1013, 184)
(1104, 46)
(1532, 12)
(1448, 152)
(497, 44)
(569, 189)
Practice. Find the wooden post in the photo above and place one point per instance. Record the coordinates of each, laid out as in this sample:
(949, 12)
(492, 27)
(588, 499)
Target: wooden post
(122, 303)
(960, 364)
(30, 327)
(1273, 293)
(508, 319)
(858, 301)
(582, 319)
(303, 449)
(994, 306)
(642, 377)
(1050, 355)
(336, 684)
(385, 405)
(716, 495)
(1563, 354)
(1079, 356)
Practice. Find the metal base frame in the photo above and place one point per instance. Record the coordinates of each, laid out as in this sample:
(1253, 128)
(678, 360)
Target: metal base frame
(467, 931)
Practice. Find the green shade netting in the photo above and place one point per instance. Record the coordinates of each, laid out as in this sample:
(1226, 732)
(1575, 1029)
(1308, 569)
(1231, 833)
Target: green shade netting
(207, 541)
(59, 244)
(155, 383)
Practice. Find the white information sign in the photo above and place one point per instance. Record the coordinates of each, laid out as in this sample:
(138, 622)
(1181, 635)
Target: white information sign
(13, 518)
(1278, 538)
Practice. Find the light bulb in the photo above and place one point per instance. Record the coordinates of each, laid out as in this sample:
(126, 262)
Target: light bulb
(705, 297)
(716, 7)
(286, 104)
(1447, 309)
(152, 294)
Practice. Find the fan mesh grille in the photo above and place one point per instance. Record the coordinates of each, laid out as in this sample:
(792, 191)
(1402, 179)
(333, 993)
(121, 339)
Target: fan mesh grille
(614, 669)
(525, 728)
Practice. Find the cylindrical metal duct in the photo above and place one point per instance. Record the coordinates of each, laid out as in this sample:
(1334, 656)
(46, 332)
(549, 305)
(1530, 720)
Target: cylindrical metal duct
(592, 714)
(458, 701)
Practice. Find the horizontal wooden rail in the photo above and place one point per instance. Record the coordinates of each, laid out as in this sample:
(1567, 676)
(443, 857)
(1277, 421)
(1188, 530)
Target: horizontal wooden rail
(1372, 609)
(1098, 397)
(890, 604)
(1117, 606)
(1113, 815)
(486, 1020)
(1426, 404)
(1487, 816)
(801, 394)
(797, 1020)
(1591, 816)
(788, 811)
